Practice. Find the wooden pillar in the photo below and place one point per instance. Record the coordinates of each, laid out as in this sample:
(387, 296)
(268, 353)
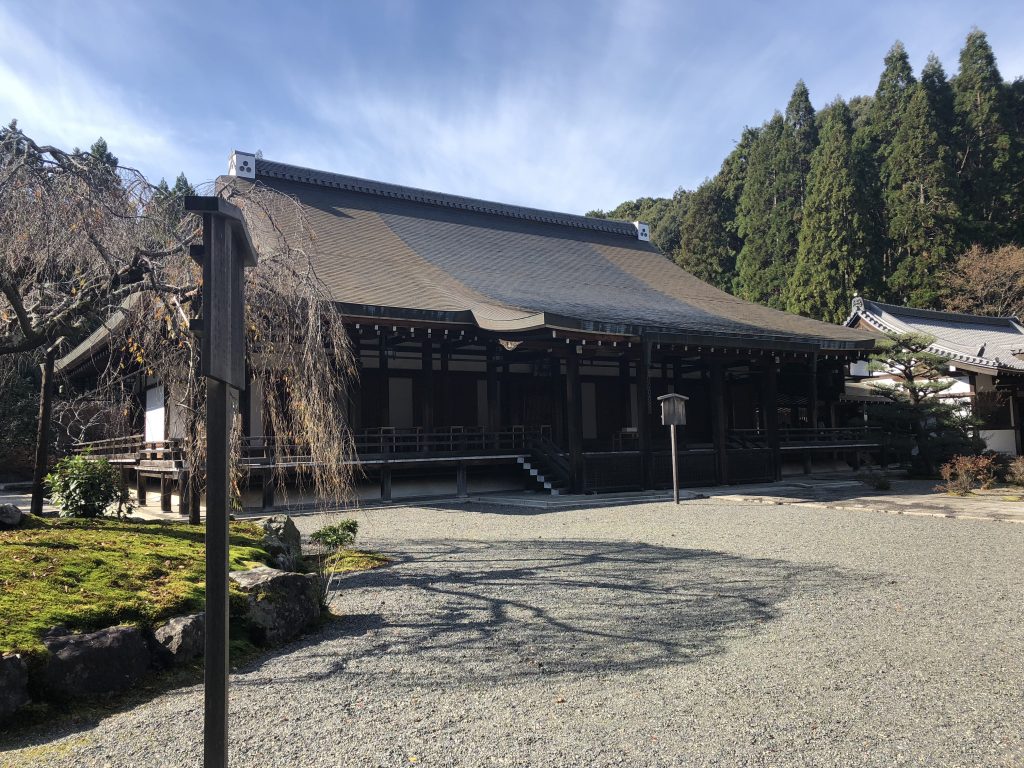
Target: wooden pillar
(1015, 423)
(445, 414)
(574, 420)
(166, 484)
(193, 498)
(385, 399)
(770, 393)
(385, 483)
(427, 385)
(719, 423)
(355, 414)
(557, 403)
(493, 406)
(505, 394)
(182, 483)
(140, 489)
(643, 412)
(812, 393)
(625, 393)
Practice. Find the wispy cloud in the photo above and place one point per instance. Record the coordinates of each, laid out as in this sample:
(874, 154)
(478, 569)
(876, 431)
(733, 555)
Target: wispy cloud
(58, 99)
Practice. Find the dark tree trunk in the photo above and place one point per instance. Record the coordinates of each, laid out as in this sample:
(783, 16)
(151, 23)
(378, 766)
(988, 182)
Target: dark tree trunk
(43, 430)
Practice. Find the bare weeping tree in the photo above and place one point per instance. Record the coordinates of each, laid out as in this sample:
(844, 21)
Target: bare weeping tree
(78, 236)
(298, 352)
(87, 244)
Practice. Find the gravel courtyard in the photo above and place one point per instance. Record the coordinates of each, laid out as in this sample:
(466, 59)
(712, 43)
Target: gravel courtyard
(715, 633)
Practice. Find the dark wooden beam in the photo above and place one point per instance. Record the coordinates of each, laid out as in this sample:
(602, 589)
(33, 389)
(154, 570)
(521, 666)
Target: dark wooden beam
(385, 394)
(493, 406)
(427, 384)
(446, 356)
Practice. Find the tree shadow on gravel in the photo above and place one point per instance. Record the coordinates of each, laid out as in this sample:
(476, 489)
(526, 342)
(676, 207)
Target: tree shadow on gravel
(497, 611)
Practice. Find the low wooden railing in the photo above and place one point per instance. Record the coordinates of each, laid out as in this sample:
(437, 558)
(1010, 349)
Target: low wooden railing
(394, 443)
(803, 438)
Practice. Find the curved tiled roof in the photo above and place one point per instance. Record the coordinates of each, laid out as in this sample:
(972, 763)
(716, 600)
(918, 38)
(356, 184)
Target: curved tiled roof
(973, 341)
(385, 250)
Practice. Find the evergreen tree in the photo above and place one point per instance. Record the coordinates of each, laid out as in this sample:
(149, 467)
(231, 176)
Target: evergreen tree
(891, 98)
(921, 201)
(940, 98)
(983, 137)
(768, 210)
(1015, 92)
(768, 214)
(102, 154)
(706, 248)
(922, 425)
(832, 260)
(883, 120)
(802, 133)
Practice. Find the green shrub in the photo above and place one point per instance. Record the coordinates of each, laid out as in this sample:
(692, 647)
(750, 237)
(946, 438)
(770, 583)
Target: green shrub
(963, 474)
(82, 486)
(337, 536)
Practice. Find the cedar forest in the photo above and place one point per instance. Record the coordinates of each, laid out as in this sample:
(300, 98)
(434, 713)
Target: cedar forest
(904, 197)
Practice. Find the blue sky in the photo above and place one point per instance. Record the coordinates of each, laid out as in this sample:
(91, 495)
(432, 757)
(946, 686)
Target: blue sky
(562, 105)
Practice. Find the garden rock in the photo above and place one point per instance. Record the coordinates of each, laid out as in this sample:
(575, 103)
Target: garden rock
(281, 605)
(179, 640)
(13, 685)
(112, 659)
(282, 540)
(10, 516)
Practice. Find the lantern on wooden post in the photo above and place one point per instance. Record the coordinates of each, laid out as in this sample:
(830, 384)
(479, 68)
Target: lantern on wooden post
(673, 414)
(225, 252)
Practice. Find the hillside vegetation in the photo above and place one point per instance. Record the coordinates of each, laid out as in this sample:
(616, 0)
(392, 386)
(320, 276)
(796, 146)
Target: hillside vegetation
(899, 196)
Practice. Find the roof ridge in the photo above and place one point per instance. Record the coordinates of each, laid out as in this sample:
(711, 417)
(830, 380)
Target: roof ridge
(298, 173)
(940, 314)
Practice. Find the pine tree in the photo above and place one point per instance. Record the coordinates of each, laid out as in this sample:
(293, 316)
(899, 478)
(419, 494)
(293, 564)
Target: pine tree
(832, 259)
(922, 210)
(983, 137)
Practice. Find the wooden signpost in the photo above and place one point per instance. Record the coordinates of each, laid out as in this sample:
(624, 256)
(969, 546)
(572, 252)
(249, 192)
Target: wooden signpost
(673, 414)
(225, 252)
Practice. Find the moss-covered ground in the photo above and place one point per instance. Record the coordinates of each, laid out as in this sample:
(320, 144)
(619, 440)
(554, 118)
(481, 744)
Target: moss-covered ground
(90, 574)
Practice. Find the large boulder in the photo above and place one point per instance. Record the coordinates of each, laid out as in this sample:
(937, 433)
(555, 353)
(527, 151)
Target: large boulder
(180, 640)
(283, 541)
(280, 604)
(10, 517)
(13, 685)
(112, 659)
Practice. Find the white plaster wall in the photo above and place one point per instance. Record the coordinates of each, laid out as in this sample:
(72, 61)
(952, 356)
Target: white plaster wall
(155, 414)
(1002, 440)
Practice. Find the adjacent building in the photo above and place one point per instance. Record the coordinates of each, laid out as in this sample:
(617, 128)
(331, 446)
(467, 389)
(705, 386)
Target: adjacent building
(983, 359)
